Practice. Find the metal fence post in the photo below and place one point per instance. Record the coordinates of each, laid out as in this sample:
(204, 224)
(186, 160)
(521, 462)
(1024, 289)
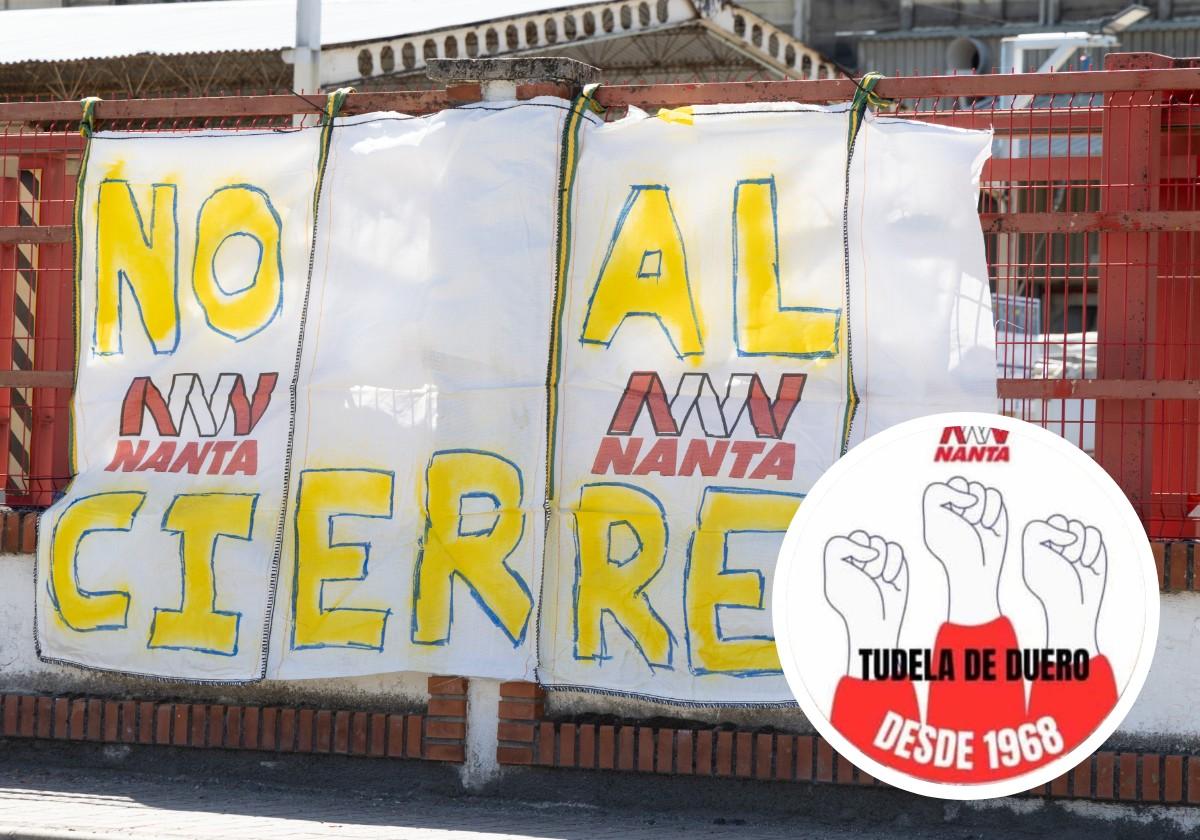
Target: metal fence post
(54, 339)
(8, 268)
(1176, 422)
(1131, 139)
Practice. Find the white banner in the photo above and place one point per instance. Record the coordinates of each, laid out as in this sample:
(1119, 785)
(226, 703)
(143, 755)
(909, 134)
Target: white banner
(707, 356)
(193, 257)
(416, 528)
(707, 338)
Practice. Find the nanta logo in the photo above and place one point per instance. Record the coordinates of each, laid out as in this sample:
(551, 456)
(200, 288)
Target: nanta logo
(972, 443)
(697, 402)
(696, 429)
(226, 409)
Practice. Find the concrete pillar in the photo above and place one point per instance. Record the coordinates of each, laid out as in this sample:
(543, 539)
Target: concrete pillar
(483, 709)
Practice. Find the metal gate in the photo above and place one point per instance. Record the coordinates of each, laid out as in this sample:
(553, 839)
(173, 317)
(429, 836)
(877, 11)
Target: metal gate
(1090, 207)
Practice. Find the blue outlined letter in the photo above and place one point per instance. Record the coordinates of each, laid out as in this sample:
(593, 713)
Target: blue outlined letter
(711, 587)
(143, 257)
(248, 298)
(78, 608)
(620, 547)
(200, 520)
(473, 524)
(324, 497)
(645, 274)
(763, 326)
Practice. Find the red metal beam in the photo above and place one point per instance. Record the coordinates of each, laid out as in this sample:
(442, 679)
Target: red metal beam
(1124, 221)
(1004, 171)
(1050, 120)
(21, 234)
(1018, 124)
(1091, 389)
(29, 142)
(916, 87)
(422, 101)
(37, 378)
(822, 90)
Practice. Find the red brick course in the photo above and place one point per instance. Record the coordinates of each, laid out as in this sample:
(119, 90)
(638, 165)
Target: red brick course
(723, 751)
(1176, 566)
(445, 723)
(222, 726)
(525, 738)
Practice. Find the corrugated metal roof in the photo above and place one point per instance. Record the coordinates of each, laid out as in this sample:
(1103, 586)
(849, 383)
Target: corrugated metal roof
(1018, 28)
(232, 25)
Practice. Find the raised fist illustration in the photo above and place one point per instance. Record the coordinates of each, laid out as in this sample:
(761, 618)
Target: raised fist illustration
(866, 582)
(966, 529)
(1065, 566)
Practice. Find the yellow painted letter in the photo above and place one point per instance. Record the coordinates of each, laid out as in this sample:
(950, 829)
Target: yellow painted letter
(645, 274)
(621, 540)
(144, 257)
(473, 522)
(200, 520)
(249, 297)
(77, 607)
(710, 585)
(318, 617)
(765, 327)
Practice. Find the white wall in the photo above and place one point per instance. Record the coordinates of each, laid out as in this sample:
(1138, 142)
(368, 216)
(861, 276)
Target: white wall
(779, 12)
(20, 669)
(1166, 708)
(1167, 705)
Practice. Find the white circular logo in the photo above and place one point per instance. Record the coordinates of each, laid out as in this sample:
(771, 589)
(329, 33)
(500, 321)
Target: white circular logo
(966, 606)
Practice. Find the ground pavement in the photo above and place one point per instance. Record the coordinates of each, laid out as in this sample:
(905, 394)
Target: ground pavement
(53, 797)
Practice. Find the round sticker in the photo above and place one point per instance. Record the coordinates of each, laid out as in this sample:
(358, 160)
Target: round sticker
(965, 606)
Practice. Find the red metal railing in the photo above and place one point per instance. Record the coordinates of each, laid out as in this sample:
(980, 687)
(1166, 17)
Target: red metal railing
(1090, 207)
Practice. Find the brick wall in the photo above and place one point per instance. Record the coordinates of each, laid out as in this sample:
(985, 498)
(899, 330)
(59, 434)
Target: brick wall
(1176, 563)
(446, 719)
(18, 532)
(437, 735)
(528, 739)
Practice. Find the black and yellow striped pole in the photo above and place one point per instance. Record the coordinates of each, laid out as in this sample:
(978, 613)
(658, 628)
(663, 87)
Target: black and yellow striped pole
(20, 435)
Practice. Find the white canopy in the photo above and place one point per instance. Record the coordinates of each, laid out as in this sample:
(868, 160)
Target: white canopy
(232, 25)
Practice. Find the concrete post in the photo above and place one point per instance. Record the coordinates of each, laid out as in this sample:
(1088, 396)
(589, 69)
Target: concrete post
(481, 767)
(499, 77)
(306, 67)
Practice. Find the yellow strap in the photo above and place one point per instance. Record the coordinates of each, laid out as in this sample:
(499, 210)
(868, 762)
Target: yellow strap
(87, 124)
(679, 116)
(589, 97)
(334, 102)
(864, 98)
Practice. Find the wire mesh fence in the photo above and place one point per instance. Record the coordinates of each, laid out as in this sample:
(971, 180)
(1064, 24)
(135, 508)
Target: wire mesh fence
(1090, 207)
